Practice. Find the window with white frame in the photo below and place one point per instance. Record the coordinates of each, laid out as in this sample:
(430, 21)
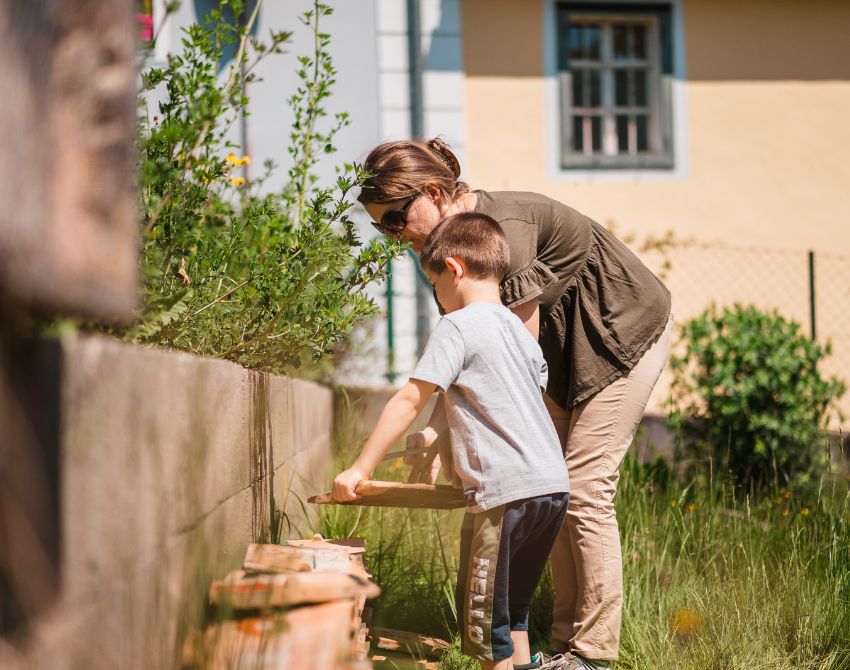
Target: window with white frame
(615, 65)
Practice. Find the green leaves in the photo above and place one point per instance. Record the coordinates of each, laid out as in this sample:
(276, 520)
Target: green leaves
(264, 279)
(748, 393)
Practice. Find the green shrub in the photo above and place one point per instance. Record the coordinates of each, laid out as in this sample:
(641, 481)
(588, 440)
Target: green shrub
(228, 270)
(748, 393)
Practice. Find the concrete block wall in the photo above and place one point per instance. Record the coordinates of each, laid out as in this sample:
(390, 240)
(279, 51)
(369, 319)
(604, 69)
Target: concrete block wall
(167, 467)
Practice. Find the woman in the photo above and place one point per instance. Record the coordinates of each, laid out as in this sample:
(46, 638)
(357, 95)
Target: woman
(603, 322)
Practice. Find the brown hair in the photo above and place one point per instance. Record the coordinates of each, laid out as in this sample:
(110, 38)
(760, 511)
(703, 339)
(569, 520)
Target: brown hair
(402, 169)
(473, 238)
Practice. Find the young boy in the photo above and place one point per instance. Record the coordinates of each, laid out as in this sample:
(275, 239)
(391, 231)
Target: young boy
(504, 447)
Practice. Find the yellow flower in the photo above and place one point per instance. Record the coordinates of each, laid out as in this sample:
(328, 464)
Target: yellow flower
(237, 181)
(805, 511)
(691, 507)
(787, 494)
(786, 512)
(686, 623)
(233, 159)
(673, 503)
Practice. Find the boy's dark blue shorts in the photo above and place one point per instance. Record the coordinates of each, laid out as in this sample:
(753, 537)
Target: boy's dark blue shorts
(503, 552)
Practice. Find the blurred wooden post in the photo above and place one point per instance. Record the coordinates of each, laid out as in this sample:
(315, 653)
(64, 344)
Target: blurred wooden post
(68, 227)
(68, 246)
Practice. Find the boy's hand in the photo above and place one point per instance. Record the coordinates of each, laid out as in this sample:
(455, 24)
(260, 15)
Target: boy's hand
(346, 482)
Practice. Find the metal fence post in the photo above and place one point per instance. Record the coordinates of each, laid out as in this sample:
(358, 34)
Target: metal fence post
(812, 294)
(391, 373)
(422, 292)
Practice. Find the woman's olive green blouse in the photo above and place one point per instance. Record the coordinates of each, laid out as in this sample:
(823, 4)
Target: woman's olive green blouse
(600, 307)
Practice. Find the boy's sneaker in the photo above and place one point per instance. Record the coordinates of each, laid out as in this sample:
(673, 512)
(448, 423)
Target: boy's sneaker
(567, 661)
(575, 661)
(541, 661)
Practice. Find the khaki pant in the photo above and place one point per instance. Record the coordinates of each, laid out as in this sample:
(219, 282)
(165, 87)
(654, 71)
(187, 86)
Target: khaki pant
(587, 567)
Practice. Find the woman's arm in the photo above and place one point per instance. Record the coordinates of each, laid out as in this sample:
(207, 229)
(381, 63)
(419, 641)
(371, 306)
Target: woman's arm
(395, 419)
(529, 313)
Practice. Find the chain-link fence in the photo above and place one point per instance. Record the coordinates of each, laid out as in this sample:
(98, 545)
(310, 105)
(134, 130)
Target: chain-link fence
(812, 288)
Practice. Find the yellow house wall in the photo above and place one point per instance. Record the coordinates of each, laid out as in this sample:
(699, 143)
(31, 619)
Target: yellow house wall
(767, 128)
(767, 153)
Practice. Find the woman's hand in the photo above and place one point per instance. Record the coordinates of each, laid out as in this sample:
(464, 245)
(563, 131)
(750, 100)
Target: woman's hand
(345, 484)
(419, 440)
(424, 439)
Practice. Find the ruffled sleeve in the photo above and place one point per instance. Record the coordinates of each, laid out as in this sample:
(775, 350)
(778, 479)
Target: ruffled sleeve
(526, 283)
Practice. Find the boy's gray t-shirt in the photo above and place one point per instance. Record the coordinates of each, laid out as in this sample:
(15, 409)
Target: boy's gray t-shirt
(492, 370)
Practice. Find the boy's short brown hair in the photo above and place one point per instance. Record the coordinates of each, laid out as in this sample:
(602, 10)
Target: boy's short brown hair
(476, 239)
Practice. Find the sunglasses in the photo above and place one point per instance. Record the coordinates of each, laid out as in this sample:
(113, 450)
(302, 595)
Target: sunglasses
(395, 220)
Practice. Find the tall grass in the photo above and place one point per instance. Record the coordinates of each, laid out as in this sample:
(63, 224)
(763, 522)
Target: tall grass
(718, 581)
(713, 580)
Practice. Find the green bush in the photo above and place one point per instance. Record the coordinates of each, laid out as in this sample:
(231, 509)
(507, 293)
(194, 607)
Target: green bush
(263, 279)
(748, 393)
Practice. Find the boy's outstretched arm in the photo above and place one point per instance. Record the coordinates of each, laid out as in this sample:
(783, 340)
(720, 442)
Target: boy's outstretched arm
(395, 419)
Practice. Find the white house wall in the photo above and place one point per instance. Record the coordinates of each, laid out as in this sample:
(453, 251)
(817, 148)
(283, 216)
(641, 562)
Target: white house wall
(442, 83)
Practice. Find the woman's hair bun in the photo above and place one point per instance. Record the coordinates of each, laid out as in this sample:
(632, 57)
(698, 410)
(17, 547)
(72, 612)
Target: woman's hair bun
(439, 145)
(402, 168)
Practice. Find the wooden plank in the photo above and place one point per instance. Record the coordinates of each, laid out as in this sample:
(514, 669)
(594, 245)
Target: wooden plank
(421, 646)
(351, 546)
(361, 640)
(279, 558)
(396, 494)
(242, 590)
(405, 453)
(420, 472)
(444, 451)
(304, 638)
(358, 543)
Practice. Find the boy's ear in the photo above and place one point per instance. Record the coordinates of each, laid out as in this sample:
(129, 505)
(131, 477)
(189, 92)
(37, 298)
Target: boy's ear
(455, 266)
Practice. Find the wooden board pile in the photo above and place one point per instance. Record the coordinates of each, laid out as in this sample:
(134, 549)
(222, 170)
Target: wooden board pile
(297, 605)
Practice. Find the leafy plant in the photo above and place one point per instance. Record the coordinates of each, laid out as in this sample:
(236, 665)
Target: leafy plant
(748, 393)
(262, 278)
